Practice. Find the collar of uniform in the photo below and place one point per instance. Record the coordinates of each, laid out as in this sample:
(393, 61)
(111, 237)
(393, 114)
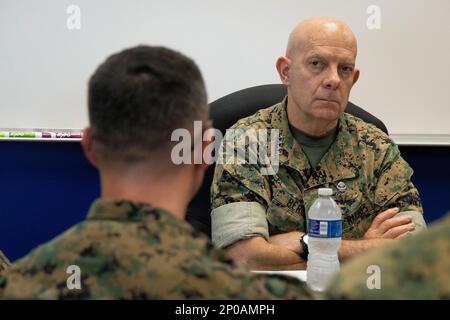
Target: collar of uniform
(291, 154)
(337, 164)
(125, 210)
(340, 161)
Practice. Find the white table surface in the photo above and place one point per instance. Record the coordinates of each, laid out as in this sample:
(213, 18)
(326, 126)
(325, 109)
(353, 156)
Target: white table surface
(299, 274)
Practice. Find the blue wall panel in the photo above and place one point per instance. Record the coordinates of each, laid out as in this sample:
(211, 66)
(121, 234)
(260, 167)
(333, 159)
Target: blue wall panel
(47, 187)
(431, 177)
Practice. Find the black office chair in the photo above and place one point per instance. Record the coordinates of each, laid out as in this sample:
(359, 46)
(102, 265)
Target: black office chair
(228, 110)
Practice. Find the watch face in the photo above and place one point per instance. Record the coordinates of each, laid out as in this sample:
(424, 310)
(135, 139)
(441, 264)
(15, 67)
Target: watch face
(305, 239)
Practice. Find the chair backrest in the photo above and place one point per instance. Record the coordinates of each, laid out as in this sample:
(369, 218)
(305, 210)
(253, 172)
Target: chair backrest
(228, 110)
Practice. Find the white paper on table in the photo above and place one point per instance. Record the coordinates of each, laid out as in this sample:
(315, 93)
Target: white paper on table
(299, 274)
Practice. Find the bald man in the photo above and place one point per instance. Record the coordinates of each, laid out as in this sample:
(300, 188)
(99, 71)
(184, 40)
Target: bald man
(260, 218)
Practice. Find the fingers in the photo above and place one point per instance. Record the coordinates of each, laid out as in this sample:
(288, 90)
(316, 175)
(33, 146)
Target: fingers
(383, 216)
(406, 234)
(394, 222)
(399, 231)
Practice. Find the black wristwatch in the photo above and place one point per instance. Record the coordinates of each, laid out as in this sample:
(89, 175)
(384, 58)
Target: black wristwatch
(304, 244)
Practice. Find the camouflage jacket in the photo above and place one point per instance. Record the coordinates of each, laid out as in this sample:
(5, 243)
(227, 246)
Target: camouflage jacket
(126, 250)
(363, 167)
(4, 262)
(414, 268)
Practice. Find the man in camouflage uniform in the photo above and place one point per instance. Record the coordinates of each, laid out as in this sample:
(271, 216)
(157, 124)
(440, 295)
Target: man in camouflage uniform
(260, 217)
(135, 243)
(415, 268)
(4, 262)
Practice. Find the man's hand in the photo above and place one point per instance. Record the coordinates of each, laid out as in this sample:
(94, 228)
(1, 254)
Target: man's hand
(386, 226)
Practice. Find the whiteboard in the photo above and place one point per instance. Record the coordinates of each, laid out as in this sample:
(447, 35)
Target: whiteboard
(44, 66)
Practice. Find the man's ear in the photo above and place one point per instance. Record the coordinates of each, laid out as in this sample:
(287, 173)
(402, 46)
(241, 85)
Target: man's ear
(356, 76)
(283, 65)
(209, 142)
(88, 147)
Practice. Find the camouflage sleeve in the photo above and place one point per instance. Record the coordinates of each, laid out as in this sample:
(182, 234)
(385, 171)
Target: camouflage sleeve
(279, 287)
(394, 187)
(240, 174)
(417, 218)
(4, 262)
(240, 191)
(239, 202)
(413, 268)
(238, 183)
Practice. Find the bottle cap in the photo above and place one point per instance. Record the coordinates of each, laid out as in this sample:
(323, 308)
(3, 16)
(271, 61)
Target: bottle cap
(325, 192)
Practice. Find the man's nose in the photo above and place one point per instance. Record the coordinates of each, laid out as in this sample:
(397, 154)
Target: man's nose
(332, 79)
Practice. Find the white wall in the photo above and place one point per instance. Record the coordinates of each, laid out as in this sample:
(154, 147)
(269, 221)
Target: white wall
(44, 67)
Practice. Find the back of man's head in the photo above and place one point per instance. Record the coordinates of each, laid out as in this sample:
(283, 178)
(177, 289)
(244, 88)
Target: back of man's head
(137, 97)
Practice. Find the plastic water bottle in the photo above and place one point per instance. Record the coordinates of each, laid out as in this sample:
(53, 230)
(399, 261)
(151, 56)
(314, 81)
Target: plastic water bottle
(324, 239)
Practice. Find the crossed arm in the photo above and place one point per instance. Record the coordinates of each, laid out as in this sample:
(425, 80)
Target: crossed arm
(281, 252)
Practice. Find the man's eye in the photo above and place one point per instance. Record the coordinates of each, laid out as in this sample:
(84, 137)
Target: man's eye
(346, 69)
(316, 63)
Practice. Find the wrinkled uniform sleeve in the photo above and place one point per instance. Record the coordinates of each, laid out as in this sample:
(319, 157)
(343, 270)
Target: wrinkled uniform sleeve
(239, 196)
(394, 187)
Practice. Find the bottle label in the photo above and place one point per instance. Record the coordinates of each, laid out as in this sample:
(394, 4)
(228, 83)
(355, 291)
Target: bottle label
(325, 228)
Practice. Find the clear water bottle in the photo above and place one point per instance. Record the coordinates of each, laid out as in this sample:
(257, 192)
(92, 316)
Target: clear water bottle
(324, 239)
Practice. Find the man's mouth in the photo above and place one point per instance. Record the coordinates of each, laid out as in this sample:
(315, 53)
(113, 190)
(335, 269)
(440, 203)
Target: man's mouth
(328, 100)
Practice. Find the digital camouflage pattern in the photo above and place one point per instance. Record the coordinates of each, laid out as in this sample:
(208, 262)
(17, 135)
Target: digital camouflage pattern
(417, 267)
(4, 262)
(363, 167)
(133, 251)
